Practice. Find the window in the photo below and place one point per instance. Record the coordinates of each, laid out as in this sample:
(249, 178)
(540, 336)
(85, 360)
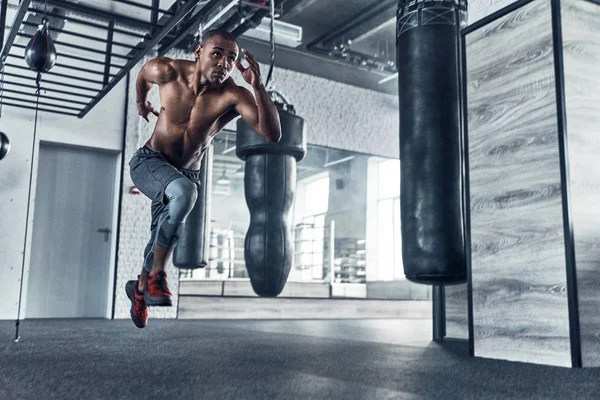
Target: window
(309, 231)
(389, 254)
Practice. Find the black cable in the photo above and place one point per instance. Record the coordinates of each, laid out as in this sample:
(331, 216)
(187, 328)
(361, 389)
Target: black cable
(37, 92)
(272, 43)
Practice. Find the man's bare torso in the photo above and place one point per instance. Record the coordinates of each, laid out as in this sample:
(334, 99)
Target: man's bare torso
(188, 121)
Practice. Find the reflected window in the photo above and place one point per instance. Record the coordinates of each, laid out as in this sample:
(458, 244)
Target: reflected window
(385, 245)
(309, 230)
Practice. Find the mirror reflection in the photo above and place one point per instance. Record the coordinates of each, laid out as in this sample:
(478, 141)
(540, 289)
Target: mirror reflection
(345, 223)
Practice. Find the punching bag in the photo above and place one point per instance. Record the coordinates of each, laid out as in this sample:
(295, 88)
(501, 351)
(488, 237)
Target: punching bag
(40, 53)
(431, 200)
(192, 249)
(269, 185)
(4, 145)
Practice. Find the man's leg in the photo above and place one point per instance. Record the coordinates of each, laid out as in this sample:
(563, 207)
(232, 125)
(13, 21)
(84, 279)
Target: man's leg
(179, 198)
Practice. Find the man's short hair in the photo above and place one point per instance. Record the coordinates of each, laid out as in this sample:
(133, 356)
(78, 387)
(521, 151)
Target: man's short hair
(217, 32)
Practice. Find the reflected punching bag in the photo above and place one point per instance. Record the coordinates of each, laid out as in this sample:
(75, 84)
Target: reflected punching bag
(431, 200)
(193, 246)
(40, 53)
(270, 184)
(4, 145)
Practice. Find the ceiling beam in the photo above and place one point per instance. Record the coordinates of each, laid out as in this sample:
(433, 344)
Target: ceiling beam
(187, 28)
(138, 55)
(19, 16)
(102, 14)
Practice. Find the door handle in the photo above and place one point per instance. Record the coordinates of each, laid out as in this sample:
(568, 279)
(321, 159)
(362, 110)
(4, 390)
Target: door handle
(106, 232)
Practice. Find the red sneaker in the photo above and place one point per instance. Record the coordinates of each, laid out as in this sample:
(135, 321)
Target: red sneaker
(139, 310)
(157, 293)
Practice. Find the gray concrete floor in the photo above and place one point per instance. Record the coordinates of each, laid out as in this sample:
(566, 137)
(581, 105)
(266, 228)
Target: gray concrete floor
(261, 359)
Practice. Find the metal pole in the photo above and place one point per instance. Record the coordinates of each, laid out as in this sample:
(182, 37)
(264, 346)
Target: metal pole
(439, 313)
(331, 256)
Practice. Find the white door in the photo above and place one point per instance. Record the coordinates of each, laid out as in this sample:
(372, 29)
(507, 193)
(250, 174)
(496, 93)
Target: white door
(71, 238)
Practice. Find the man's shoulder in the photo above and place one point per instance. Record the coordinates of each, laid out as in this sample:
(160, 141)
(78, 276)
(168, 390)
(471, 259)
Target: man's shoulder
(232, 87)
(180, 64)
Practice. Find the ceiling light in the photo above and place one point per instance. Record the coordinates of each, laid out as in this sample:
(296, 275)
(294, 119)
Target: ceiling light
(223, 179)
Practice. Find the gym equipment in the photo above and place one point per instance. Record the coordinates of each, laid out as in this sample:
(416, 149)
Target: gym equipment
(4, 145)
(40, 53)
(192, 249)
(270, 184)
(431, 188)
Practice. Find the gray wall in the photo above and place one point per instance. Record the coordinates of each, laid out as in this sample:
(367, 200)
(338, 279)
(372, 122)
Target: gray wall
(95, 131)
(581, 43)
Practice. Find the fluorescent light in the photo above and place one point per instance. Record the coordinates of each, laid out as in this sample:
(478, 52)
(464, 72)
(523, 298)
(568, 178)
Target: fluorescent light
(329, 164)
(223, 179)
(228, 150)
(285, 33)
(388, 78)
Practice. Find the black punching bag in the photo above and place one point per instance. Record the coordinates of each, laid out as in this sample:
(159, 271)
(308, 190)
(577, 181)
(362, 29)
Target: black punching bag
(4, 145)
(40, 53)
(192, 248)
(270, 184)
(433, 250)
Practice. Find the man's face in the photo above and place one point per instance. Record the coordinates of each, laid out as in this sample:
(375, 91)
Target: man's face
(217, 58)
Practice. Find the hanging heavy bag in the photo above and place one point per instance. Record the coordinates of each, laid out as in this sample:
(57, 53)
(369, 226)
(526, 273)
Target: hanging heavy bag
(433, 250)
(193, 247)
(269, 185)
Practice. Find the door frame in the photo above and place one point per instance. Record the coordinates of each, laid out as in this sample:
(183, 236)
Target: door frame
(116, 210)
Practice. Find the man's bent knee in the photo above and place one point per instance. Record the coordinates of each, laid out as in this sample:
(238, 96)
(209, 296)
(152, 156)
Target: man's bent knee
(181, 197)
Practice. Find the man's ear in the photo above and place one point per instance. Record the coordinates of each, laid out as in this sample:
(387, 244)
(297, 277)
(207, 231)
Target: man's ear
(198, 50)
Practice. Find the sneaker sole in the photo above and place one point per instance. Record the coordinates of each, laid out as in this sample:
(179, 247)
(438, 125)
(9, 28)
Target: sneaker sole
(129, 291)
(157, 301)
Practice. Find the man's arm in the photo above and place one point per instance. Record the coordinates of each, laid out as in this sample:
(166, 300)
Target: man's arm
(260, 113)
(156, 71)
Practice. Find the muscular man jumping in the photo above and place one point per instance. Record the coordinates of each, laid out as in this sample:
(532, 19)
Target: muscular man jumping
(198, 98)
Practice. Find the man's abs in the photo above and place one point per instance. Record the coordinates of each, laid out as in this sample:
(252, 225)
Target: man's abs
(181, 148)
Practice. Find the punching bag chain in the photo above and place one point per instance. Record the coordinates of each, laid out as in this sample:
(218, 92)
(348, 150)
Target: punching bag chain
(272, 43)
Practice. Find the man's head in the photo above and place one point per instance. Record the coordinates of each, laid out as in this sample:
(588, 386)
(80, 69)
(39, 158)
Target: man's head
(216, 55)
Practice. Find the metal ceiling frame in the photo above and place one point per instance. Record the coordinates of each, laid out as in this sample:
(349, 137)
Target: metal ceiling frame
(177, 23)
(326, 44)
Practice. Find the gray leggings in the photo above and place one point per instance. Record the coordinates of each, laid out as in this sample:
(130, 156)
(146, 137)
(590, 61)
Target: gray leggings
(173, 192)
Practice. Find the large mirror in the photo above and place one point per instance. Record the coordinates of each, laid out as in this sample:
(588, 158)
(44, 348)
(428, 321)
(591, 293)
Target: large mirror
(345, 201)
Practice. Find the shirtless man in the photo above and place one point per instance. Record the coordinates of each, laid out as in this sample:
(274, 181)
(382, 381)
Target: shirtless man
(198, 98)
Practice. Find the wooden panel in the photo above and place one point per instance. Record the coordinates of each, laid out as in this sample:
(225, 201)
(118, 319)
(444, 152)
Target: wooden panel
(457, 312)
(287, 308)
(581, 46)
(518, 261)
(244, 288)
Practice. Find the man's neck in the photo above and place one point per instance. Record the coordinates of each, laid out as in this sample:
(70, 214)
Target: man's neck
(198, 82)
